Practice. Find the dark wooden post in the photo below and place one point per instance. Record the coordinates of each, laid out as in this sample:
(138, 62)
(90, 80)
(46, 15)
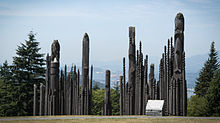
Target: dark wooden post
(131, 73)
(35, 104)
(85, 75)
(107, 98)
(42, 99)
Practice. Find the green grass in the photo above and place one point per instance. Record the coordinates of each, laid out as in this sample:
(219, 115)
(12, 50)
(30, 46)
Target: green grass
(110, 120)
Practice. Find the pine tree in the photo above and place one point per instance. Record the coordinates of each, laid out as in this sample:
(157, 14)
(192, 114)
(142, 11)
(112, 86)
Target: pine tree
(207, 72)
(28, 69)
(5, 72)
(213, 96)
(8, 95)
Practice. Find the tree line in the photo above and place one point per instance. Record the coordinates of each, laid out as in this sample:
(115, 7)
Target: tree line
(17, 80)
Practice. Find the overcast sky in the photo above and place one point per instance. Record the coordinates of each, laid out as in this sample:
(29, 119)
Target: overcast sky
(106, 23)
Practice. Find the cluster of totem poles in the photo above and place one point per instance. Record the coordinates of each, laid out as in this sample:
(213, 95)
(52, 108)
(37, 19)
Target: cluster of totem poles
(171, 86)
(62, 95)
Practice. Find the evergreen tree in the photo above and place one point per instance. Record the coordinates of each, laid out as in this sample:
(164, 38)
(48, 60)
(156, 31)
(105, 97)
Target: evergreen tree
(5, 72)
(207, 72)
(213, 96)
(28, 69)
(8, 94)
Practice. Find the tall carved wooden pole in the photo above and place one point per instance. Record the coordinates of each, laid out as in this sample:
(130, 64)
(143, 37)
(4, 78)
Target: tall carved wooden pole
(171, 74)
(85, 75)
(42, 99)
(141, 79)
(184, 87)
(65, 90)
(151, 82)
(169, 78)
(78, 94)
(47, 83)
(179, 65)
(126, 100)
(54, 77)
(131, 73)
(165, 80)
(161, 79)
(139, 87)
(145, 94)
(90, 90)
(123, 88)
(74, 100)
(69, 94)
(121, 95)
(61, 86)
(107, 99)
(137, 83)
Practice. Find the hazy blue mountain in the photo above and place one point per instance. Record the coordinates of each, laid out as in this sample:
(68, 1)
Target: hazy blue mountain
(193, 66)
(195, 63)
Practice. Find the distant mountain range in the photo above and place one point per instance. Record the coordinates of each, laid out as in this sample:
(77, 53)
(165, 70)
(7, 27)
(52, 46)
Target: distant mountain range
(193, 66)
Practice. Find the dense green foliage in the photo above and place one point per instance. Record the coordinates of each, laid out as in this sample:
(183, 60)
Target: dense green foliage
(197, 106)
(115, 97)
(206, 102)
(8, 92)
(213, 96)
(98, 101)
(18, 79)
(207, 72)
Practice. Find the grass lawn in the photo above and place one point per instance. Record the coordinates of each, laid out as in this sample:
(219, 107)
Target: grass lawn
(111, 120)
